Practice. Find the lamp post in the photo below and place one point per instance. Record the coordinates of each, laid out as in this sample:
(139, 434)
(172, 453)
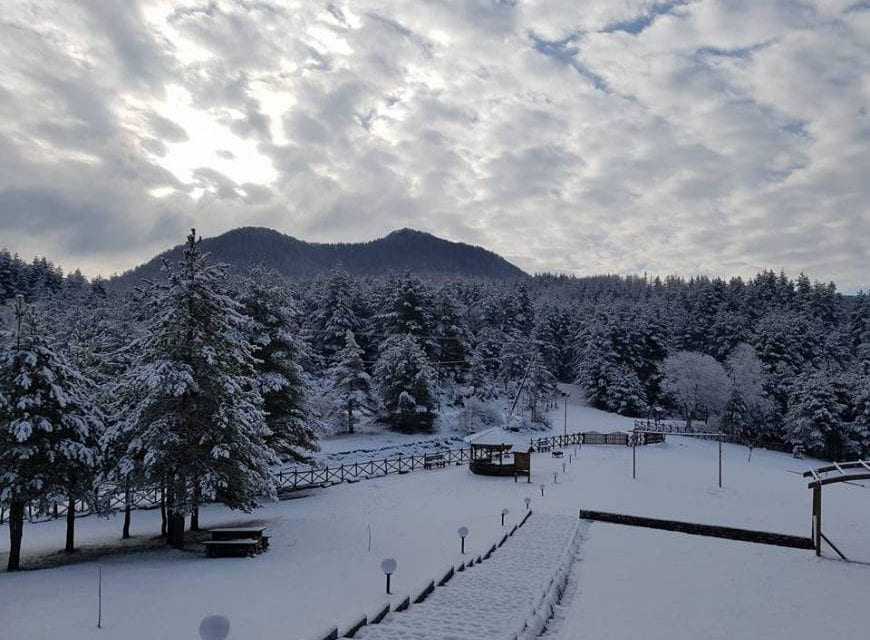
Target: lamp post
(504, 512)
(389, 566)
(463, 532)
(528, 501)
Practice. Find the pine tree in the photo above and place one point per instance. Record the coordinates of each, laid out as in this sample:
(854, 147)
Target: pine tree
(409, 311)
(274, 334)
(812, 422)
(335, 315)
(192, 411)
(406, 382)
(596, 364)
(861, 429)
(49, 426)
(540, 388)
(350, 382)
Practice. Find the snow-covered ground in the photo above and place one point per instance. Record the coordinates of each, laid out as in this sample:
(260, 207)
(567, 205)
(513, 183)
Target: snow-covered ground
(320, 572)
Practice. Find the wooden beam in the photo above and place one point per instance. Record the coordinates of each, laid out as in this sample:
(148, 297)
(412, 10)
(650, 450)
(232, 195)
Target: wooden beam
(855, 464)
(837, 479)
(731, 533)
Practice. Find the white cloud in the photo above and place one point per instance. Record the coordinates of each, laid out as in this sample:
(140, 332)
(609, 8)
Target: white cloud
(614, 136)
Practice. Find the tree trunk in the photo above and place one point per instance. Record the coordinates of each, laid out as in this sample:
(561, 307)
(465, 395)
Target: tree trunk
(70, 524)
(16, 530)
(350, 416)
(163, 517)
(128, 508)
(194, 514)
(175, 530)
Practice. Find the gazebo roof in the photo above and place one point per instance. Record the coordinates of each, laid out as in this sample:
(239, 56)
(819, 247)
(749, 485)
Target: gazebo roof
(493, 438)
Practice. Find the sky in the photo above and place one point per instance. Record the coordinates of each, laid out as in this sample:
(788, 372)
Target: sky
(603, 136)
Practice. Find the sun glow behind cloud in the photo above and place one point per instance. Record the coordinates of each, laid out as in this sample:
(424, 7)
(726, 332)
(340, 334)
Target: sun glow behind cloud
(710, 136)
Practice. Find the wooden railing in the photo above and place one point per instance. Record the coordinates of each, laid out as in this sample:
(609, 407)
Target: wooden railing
(110, 497)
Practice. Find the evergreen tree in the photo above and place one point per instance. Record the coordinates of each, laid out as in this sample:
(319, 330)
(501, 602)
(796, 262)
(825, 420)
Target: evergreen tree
(350, 382)
(274, 334)
(540, 388)
(409, 311)
(407, 384)
(335, 315)
(193, 414)
(812, 422)
(49, 426)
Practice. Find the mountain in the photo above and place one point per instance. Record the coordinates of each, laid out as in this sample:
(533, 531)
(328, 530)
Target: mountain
(405, 250)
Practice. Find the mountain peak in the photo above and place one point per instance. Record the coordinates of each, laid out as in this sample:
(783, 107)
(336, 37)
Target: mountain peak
(427, 254)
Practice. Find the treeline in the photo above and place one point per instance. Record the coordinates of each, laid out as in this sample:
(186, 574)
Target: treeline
(202, 381)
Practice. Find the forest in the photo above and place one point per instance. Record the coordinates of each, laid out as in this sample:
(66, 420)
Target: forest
(203, 379)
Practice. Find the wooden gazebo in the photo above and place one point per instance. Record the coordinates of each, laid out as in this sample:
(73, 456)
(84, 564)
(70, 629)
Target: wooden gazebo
(491, 455)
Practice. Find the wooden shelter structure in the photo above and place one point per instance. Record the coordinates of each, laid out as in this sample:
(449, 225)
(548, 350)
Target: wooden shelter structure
(835, 473)
(491, 455)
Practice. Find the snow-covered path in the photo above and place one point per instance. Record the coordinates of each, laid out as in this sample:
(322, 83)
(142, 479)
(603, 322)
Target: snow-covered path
(511, 592)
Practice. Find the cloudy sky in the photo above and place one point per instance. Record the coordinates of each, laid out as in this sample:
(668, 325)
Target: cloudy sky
(586, 137)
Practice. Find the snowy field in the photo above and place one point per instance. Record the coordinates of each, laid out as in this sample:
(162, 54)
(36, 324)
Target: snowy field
(321, 572)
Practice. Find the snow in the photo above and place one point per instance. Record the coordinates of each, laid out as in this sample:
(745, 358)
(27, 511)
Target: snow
(319, 572)
(511, 591)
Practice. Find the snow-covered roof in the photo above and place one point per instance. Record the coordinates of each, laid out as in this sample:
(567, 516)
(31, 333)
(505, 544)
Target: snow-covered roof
(491, 436)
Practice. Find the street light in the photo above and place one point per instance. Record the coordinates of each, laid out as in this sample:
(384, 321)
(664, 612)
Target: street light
(463, 532)
(389, 566)
(504, 512)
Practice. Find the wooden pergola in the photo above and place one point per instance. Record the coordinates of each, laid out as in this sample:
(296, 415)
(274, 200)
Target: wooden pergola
(835, 473)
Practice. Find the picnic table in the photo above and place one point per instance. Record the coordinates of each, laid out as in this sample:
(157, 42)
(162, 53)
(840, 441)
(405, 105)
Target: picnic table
(237, 541)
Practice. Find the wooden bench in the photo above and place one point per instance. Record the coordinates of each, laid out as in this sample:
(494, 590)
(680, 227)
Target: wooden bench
(558, 453)
(246, 547)
(244, 534)
(434, 460)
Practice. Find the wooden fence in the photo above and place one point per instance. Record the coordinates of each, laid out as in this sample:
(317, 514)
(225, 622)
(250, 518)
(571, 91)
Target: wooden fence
(110, 496)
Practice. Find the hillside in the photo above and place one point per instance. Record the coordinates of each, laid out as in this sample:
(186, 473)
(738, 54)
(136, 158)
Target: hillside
(401, 251)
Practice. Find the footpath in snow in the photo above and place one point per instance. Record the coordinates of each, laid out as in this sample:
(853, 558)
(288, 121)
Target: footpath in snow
(509, 595)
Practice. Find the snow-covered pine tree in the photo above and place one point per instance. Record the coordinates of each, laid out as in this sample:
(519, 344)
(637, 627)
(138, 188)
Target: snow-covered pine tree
(192, 411)
(274, 335)
(409, 310)
(540, 388)
(450, 337)
(596, 363)
(862, 416)
(859, 332)
(745, 414)
(479, 378)
(335, 314)
(406, 382)
(49, 426)
(351, 384)
(812, 422)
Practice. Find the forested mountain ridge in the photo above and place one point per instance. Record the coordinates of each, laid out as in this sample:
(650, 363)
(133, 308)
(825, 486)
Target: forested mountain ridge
(402, 251)
(777, 360)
